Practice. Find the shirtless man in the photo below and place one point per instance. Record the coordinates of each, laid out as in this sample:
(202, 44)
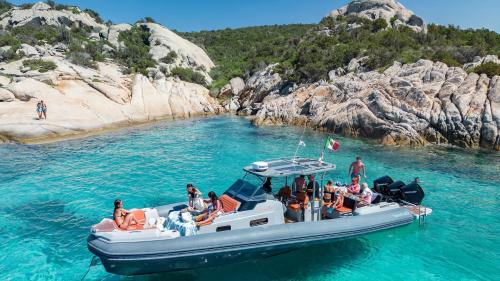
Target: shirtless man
(357, 168)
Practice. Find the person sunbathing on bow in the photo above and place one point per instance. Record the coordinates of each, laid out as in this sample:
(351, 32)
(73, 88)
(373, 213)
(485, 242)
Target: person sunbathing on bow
(122, 217)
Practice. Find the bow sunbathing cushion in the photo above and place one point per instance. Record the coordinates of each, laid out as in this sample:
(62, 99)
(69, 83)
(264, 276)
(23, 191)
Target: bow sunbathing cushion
(229, 204)
(106, 225)
(109, 225)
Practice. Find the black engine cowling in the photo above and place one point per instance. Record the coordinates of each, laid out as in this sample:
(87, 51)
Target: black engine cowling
(380, 184)
(398, 190)
(412, 193)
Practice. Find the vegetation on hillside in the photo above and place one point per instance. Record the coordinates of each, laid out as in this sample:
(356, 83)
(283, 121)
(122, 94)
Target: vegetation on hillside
(188, 75)
(136, 55)
(307, 53)
(239, 52)
(4, 6)
(82, 49)
(40, 65)
(490, 68)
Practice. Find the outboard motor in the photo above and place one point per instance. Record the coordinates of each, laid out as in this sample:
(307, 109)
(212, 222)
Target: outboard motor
(394, 189)
(412, 193)
(380, 184)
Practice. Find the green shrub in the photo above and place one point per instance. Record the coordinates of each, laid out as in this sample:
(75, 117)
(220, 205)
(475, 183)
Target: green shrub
(94, 14)
(490, 68)
(4, 6)
(82, 59)
(51, 3)
(26, 6)
(9, 40)
(76, 11)
(169, 58)
(188, 75)
(40, 65)
(379, 24)
(149, 20)
(136, 55)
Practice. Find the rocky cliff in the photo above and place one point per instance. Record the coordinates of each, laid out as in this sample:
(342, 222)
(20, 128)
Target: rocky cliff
(412, 104)
(82, 97)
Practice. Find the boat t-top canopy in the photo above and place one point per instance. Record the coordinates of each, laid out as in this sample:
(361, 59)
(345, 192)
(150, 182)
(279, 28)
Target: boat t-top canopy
(291, 167)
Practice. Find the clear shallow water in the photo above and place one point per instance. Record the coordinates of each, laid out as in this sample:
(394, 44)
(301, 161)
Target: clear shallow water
(53, 193)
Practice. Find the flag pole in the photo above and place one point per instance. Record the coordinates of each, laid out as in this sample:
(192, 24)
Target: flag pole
(300, 142)
(323, 151)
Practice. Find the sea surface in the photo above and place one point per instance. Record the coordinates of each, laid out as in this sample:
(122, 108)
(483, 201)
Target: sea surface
(52, 193)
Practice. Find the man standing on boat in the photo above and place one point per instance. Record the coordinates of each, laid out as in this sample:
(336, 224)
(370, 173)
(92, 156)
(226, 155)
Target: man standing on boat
(357, 168)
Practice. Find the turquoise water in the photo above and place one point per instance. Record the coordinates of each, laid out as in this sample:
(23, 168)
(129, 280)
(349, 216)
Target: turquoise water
(53, 193)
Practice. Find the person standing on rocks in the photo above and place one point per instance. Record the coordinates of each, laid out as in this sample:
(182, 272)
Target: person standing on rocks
(44, 109)
(357, 167)
(39, 109)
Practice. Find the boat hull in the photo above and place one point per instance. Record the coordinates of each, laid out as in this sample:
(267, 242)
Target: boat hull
(215, 249)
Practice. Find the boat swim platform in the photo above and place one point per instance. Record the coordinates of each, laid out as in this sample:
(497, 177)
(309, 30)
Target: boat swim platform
(292, 167)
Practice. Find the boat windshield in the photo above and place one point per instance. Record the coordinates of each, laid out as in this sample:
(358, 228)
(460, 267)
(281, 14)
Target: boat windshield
(248, 191)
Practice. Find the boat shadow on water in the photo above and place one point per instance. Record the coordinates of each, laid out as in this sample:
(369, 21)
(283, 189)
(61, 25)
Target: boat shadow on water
(322, 259)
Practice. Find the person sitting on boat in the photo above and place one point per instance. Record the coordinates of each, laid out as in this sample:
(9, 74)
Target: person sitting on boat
(329, 187)
(366, 195)
(122, 217)
(268, 189)
(357, 167)
(196, 205)
(332, 203)
(213, 211)
(354, 187)
(284, 193)
(301, 199)
(312, 187)
(300, 183)
(327, 204)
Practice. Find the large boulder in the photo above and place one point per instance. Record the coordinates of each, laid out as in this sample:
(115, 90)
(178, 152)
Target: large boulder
(28, 51)
(6, 95)
(163, 41)
(481, 60)
(389, 10)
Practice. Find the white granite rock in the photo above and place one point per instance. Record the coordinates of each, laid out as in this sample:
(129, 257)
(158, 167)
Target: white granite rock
(28, 51)
(482, 60)
(41, 14)
(385, 9)
(413, 104)
(163, 41)
(6, 95)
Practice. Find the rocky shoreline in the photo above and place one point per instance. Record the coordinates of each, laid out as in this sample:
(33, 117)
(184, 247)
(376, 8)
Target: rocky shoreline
(409, 105)
(406, 104)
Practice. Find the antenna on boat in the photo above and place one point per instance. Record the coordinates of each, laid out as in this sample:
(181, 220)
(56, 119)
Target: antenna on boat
(301, 142)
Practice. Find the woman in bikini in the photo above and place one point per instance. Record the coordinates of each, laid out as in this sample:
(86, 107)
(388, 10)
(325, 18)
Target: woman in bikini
(122, 217)
(214, 211)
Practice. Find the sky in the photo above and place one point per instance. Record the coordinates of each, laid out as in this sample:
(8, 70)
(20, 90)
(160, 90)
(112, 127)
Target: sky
(196, 15)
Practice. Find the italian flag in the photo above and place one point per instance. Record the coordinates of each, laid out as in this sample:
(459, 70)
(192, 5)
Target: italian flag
(332, 144)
